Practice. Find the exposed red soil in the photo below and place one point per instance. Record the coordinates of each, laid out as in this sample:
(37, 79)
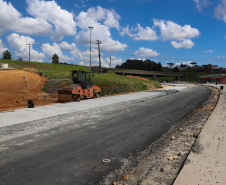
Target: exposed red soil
(17, 87)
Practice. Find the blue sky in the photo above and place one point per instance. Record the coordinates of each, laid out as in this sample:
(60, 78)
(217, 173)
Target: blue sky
(166, 31)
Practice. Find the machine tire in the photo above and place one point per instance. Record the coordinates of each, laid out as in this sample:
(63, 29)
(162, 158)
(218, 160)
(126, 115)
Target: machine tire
(74, 97)
(97, 95)
(78, 98)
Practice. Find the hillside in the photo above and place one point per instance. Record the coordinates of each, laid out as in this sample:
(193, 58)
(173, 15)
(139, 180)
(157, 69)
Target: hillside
(45, 79)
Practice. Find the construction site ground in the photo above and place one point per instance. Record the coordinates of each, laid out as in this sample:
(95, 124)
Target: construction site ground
(160, 165)
(17, 87)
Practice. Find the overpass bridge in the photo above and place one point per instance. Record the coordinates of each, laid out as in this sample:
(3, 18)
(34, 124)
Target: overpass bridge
(152, 74)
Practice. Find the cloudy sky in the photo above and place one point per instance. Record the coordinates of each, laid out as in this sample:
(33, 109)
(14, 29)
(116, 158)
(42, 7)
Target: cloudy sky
(178, 31)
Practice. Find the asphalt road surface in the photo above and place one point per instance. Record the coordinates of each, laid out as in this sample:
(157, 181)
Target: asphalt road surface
(73, 152)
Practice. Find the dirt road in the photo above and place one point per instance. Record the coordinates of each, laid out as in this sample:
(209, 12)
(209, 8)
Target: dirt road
(17, 87)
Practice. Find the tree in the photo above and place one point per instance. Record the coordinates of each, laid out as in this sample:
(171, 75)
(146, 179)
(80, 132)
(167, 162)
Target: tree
(7, 55)
(170, 64)
(146, 65)
(183, 65)
(55, 59)
(176, 69)
(193, 63)
(159, 67)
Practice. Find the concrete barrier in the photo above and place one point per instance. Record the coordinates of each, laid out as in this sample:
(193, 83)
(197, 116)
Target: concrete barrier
(4, 66)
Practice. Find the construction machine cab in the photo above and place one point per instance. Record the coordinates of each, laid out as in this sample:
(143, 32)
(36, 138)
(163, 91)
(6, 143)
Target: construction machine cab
(82, 78)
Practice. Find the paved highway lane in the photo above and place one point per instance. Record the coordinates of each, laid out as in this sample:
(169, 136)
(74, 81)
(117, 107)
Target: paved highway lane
(72, 152)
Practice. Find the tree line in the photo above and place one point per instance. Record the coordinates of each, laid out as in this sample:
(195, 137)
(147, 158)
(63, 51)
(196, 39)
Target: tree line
(147, 65)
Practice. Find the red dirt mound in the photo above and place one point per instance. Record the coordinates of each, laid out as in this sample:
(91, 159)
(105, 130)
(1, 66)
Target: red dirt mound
(17, 87)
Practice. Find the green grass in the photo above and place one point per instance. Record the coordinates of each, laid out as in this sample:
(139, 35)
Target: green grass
(52, 71)
(115, 84)
(109, 82)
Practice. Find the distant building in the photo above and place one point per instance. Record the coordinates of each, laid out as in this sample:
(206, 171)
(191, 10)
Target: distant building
(215, 67)
(196, 67)
(224, 69)
(218, 78)
(182, 68)
(209, 66)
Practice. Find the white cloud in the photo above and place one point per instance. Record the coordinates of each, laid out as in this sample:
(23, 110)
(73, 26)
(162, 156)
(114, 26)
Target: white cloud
(2, 49)
(114, 61)
(50, 50)
(66, 46)
(220, 10)
(53, 13)
(96, 16)
(183, 44)
(209, 51)
(112, 45)
(126, 31)
(22, 49)
(102, 20)
(220, 56)
(144, 52)
(173, 31)
(188, 63)
(140, 33)
(11, 19)
(201, 4)
(103, 34)
(112, 19)
(84, 57)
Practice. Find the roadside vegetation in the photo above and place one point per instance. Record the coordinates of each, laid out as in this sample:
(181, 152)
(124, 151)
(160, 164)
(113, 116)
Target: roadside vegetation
(60, 75)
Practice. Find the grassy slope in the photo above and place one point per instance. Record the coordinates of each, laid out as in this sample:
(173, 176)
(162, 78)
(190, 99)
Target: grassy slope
(110, 83)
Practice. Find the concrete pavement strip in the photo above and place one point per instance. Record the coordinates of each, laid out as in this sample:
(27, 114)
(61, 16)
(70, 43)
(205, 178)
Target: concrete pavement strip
(20, 119)
(207, 163)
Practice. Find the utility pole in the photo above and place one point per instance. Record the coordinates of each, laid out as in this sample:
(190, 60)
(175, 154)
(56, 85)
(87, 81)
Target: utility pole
(98, 43)
(110, 63)
(29, 55)
(90, 27)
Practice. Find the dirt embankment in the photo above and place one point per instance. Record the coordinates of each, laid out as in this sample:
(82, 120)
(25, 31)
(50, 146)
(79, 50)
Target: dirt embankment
(17, 87)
